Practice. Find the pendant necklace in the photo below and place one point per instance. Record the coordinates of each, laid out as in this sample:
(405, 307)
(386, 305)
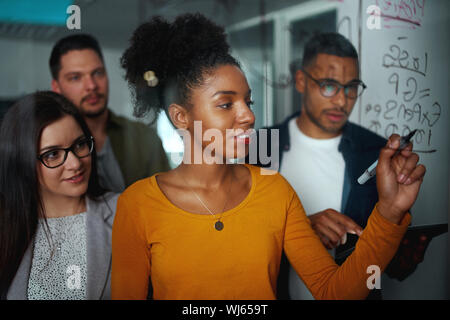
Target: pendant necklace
(219, 224)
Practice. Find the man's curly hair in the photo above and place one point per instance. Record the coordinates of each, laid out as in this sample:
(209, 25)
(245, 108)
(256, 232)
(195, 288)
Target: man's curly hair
(180, 53)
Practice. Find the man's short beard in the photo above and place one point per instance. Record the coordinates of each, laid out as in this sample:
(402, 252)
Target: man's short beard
(93, 115)
(316, 120)
(318, 124)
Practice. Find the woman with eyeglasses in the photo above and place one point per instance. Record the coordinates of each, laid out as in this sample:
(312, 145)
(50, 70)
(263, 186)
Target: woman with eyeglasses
(55, 219)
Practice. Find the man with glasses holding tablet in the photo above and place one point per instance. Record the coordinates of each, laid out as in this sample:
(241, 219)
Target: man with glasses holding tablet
(322, 154)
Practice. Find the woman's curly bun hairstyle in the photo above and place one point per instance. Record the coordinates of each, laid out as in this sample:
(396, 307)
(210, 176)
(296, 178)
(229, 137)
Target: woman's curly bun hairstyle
(180, 54)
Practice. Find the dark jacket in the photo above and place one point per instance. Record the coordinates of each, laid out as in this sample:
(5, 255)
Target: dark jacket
(137, 148)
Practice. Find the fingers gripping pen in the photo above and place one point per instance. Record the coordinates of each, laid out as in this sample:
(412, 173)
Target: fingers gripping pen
(370, 172)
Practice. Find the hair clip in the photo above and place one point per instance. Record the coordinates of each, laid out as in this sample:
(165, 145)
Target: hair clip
(151, 78)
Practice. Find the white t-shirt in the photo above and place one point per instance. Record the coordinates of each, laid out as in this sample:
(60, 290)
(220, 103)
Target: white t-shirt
(315, 169)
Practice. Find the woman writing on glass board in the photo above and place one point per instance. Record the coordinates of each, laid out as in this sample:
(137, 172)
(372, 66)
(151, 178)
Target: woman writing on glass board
(209, 229)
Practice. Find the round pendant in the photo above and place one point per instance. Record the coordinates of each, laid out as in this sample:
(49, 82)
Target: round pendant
(218, 225)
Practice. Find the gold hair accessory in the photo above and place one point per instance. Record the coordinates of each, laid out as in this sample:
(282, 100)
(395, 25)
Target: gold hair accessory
(151, 78)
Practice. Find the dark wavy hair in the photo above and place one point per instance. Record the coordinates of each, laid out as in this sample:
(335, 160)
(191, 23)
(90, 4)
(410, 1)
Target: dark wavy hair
(20, 201)
(180, 53)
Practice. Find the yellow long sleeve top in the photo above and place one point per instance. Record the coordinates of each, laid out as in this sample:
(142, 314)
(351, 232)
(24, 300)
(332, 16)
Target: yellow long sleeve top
(187, 258)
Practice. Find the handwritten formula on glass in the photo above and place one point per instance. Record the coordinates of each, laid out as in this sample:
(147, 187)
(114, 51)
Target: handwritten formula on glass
(404, 14)
(409, 102)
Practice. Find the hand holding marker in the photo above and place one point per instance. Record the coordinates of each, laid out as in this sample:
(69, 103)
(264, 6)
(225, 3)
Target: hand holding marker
(370, 172)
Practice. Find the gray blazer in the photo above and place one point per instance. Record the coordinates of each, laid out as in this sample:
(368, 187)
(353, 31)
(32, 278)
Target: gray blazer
(99, 221)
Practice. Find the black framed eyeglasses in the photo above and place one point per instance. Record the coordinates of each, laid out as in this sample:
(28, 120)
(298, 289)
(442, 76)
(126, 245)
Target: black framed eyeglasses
(329, 87)
(54, 158)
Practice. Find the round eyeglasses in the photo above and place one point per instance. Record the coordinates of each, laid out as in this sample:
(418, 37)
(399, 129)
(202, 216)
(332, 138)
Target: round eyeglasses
(54, 158)
(329, 87)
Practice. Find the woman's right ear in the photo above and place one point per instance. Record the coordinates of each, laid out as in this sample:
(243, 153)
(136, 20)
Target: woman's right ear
(179, 116)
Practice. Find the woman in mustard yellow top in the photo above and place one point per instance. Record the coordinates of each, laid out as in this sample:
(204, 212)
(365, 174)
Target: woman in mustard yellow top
(214, 230)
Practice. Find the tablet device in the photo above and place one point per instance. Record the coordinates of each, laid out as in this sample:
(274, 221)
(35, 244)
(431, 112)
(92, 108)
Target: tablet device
(430, 231)
(412, 234)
